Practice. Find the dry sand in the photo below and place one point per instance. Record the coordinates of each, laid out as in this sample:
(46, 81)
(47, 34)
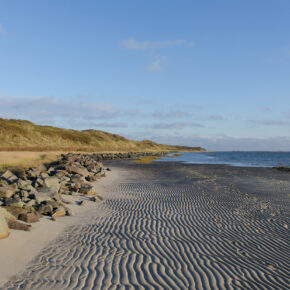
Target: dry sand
(166, 226)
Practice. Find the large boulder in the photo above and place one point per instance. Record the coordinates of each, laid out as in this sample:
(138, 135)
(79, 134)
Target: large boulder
(29, 217)
(45, 193)
(15, 211)
(53, 183)
(7, 191)
(35, 172)
(58, 213)
(24, 184)
(87, 190)
(45, 209)
(4, 230)
(74, 169)
(30, 205)
(14, 202)
(9, 176)
(5, 217)
(17, 225)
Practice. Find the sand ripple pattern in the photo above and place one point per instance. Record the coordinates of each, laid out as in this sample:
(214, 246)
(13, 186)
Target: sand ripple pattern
(158, 236)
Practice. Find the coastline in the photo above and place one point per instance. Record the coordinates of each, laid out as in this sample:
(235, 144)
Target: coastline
(174, 225)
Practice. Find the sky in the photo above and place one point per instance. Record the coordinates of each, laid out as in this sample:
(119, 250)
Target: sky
(204, 73)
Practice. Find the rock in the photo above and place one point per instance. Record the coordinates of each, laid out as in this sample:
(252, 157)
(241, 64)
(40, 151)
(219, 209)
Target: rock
(45, 209)
(78, 179)
(3, 182)
(87, 190)
(15, 211)
(91, 178)
(77, 170)
(5, 216)
(29, 217)
(16, 202)
(61, 173)
(23, 194)
(97, 198)
(282, 168)
(52, 183)
(45, 193)
(16, 225)
(6, 192)
(30, 205)
(21, 174)
(55, 205)
(38, 182)
(59, 212)
(44, 175)
(9, 176)
(35, 172)
(23, 184)
(4, 230)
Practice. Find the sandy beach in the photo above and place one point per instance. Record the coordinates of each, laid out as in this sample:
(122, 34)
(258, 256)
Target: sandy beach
(162, 226)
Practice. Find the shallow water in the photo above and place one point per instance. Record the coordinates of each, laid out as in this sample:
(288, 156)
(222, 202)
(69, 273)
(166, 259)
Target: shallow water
(235, 158)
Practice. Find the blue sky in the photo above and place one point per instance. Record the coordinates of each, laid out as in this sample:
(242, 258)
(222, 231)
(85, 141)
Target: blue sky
(198, 73)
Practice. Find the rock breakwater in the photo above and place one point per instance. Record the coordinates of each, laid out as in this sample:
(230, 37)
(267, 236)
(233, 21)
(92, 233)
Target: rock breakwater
(26, 196)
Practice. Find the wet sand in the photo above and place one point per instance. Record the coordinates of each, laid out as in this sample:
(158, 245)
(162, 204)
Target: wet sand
(173, 226)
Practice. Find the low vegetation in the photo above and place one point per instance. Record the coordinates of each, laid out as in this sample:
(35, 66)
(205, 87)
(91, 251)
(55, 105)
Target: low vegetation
(147, 159)
(23, 160)
(19, 135)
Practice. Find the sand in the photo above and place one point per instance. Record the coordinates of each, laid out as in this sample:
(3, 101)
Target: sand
(170, 226)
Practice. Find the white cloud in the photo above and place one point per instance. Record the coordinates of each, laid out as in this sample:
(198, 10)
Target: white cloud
(176, 125)
(154, 66)
(171, 114)
(270, 122)
(110, 125)
(220, 142)
(53, 110)
(133, 44)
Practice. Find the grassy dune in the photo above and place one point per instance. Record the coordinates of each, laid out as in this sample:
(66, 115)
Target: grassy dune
(19, 135)
(17, 160)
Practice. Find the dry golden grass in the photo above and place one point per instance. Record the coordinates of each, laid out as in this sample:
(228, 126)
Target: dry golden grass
(24, 160)
(18, 135)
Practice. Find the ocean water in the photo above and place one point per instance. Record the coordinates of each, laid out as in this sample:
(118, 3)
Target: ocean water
(235, 158)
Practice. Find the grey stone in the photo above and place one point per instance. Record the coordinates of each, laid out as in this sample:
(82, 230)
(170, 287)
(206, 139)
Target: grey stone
(16, 225)
(29, 217)
(14, 202)
(24, 184)
(77, 170)
(9, 176)
(52, 182)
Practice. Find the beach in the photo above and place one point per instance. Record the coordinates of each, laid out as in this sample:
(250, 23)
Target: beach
(163, 225)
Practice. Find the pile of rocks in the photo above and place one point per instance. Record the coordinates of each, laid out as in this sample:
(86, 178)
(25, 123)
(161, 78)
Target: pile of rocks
(128, 155)
(26, 196)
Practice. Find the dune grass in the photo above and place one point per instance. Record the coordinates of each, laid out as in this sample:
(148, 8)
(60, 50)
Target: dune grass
(19, 135)
(24, 144)
(23, 160)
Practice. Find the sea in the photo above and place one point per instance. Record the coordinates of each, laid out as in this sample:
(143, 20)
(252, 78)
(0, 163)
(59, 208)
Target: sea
(235, 158)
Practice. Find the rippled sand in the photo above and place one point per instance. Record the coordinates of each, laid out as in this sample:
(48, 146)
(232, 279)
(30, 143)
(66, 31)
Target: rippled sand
(175, 226)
